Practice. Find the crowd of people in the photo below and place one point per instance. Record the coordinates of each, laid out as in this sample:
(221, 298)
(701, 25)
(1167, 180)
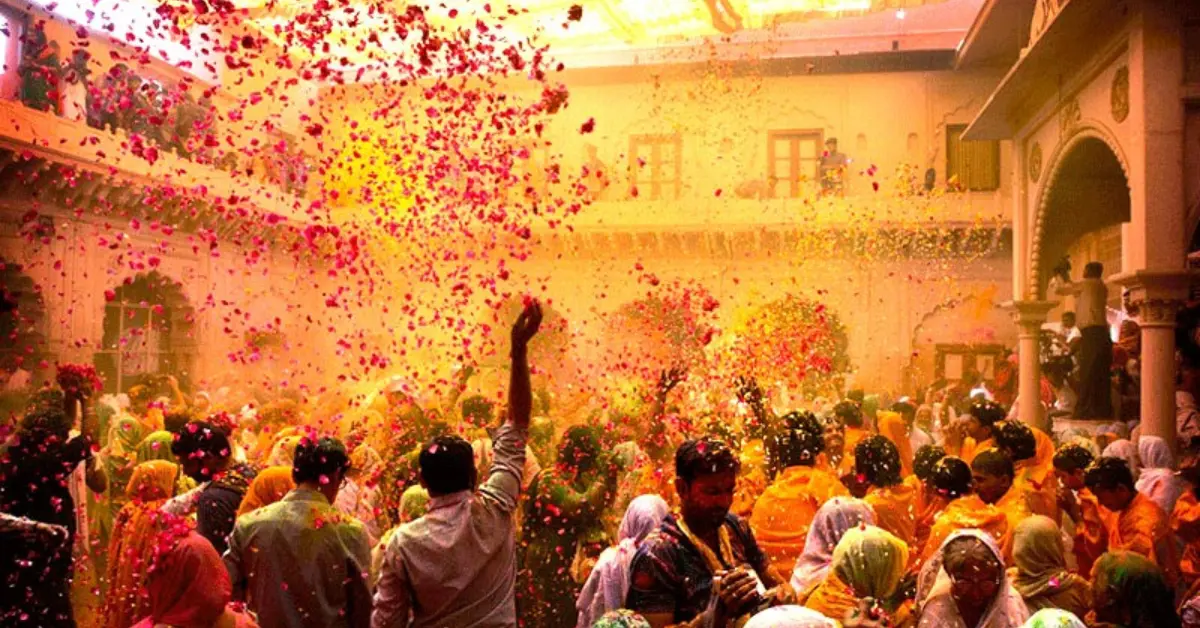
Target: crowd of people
(198, 511)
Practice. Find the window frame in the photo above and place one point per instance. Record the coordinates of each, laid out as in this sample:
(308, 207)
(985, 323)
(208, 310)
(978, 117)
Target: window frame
(796, 188)
(656, 185)
(954, 134)
(10, 79)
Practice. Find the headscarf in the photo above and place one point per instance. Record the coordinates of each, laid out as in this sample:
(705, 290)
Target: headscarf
(868, 562)
(1125, 450)
(790, 617)
(1132, 582)
(622, 618)
(156, 446)
(267, 488)
(414, 503)
(829, 524)
(192, 587)
(284, 451)
(365, 461)
(608, 583)
(134, 540)
(891, 426)
(936, 606)
(1158, 480)
(1041, 564)
(1054, 618)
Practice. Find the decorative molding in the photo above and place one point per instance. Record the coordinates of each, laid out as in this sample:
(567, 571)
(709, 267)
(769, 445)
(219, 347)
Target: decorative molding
(1157, 312)
(1069, 117)
(1120, 94)
(1035, 162)
(1030, 314)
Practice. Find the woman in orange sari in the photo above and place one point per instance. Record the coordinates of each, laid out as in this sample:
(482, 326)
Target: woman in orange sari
(952, 479)
(131, 550)
(892, 427)
(267, 488)
(878, 463)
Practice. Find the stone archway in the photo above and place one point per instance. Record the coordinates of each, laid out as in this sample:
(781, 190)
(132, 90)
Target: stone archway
(148, 331)
(1087, 189)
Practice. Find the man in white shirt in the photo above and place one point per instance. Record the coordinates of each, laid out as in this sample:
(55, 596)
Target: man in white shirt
(456, 566)
(1095, 343)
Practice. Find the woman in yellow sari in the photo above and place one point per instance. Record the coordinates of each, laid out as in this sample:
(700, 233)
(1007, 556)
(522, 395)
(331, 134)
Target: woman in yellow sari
(869, 562)
(267, 488)
(134, 542)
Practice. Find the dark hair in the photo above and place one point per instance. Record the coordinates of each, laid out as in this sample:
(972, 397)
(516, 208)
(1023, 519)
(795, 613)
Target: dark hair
(850, 412)
(906, 410)
(801, 441)
(1016, 439)
(478, 409)
(201, 439)
(1135, 583)
(1108, 473)
(176, 421)
(952, 477)
(447, 465)
(1093, 270)
(1072, 457)
(580, 447)
(857, 395)
(993, 462)
(319, 460)
(1068, 313)
(988, 413)
(926, 460)
(877, 459)
(704, 456)
(47, 414)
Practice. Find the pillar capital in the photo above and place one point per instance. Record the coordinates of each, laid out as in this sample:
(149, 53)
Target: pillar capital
(1030, 315)
(1155, 296)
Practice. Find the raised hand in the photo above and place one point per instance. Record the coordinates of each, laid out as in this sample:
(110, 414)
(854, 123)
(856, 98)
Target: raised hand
(527, 324)
(748, 390)
(670, 378)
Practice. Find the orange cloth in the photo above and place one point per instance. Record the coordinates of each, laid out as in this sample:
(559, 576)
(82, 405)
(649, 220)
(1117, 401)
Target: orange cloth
(749, 487)
(1139, 529)
(1035, 479)
(966, 512)
(1185, 523)
(970, 448)
(134, 541)
(895, 510)
(784, 512)
(891, 427)
(853, 435)
(832, 598)
(1013, 505)
(1091, 539)
(267, 488)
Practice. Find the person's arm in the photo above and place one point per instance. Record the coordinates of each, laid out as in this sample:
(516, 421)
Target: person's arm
(78, 403)
(233, 564)
(392, 593)
(520, 393)
(657, 444)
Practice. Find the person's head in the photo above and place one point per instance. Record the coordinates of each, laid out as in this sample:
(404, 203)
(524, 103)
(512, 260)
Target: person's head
(189, 585)
(1129, 590)
(1037, 546)
(1016, 439)
(831, 144)
(835, 436)
(176, 421)
(802, 440)
(952, 477)
(321, 464)
(643, 516)
(991, 475)
(982, 419)
(1068, 320)
(975, 569)
(1071, 463)
(1111, 481)
(849, 412)
(447, 466)
(925, 460)
(857, 395)
(47, 416)
(907, 411)
(871, 561)
(705, 476)
(478, 410)
(202, 450)
(579, 449)
(1093, 270)
(877, 460)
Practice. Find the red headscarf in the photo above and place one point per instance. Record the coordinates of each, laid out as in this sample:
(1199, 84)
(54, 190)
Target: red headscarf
(192, 587)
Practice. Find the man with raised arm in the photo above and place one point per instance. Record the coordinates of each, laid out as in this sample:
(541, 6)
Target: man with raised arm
(456, 565)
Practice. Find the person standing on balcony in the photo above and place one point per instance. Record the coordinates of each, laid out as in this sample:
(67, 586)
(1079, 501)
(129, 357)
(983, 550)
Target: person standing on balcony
(1095, 343)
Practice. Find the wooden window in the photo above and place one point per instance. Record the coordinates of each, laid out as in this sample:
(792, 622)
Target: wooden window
(655, 162)
(974, 165)
(793, 159)
(12, 26)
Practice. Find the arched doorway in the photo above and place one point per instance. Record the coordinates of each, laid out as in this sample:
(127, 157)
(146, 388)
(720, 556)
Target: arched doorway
(1082, 205)
(22, 325)
(148, 325)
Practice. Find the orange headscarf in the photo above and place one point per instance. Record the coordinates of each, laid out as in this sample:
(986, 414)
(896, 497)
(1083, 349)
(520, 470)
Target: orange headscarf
(268, 487)
(784, 512)
(134, 541)
(891, 426)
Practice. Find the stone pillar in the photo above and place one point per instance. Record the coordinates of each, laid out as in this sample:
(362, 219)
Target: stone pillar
(1157, 296)
(1030, 316)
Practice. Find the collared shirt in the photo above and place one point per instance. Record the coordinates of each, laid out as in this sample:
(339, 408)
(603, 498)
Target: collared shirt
(456, 565)
(1091, 302)
(669, 575)
(300, 562)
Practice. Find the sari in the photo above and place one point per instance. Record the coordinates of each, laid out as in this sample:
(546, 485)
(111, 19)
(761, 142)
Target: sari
(1142, 529)
(936, 606)
(966, 512)
(1041, 575)
(895, 509)
(752, 479)
(786, 509)
(192, 589)
(868, 562)
(135, 539)
(1036, 481)
(267, 488)
(1185, 523)
(891, 426)
(830, 523)
(1125, 450)
(1158, 480)
(156, 446)
(608, 584)
(970, 448)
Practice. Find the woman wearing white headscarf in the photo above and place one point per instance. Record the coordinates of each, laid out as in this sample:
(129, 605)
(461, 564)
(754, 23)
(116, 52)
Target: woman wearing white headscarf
(608, 584)
(1054, 618)
(964, 586)
(1158, 480)
(829, 524)
(1127, 451)
(790, 617)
